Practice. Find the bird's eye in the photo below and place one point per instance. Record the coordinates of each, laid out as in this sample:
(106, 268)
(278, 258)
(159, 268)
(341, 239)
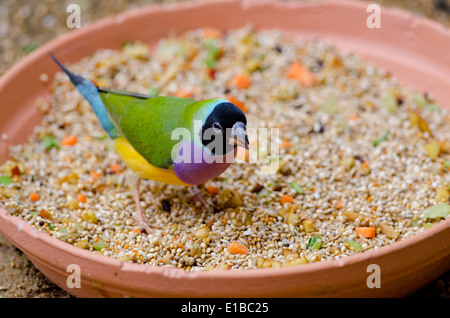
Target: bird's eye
(217, 128)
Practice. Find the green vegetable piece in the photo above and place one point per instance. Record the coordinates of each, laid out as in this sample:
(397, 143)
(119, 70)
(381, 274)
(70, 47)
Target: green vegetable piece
(154, 92)
(34, 213)
(5, 181)
(105, 136)
(294, 185)
(422, 101)
(415, 222)
(447, 164)
(78, 227)
(50, 142)
(354, 246)
(330, 106)
(263, 193)
(29, 48)
(440, 210)
(99, 245)
(428, 225)
(168, 51)
(50, 227)
(390, 102)
(62, 234)
(381, 139)
(315, 242)
(433, 107)
(213, 53)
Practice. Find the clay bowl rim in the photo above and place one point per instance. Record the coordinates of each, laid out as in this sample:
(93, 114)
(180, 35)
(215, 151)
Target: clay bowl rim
(97, 259)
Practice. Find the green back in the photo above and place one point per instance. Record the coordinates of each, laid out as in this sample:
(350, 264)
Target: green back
(148, 123)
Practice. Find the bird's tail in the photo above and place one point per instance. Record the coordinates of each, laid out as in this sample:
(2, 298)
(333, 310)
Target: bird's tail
(91, 93)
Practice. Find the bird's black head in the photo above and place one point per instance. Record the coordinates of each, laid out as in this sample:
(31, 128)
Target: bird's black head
(225, 129)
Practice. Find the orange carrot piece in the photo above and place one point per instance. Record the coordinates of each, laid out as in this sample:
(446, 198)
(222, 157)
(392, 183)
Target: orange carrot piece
(286, 199)
(81, 198)
(212, 190)
(69, 140)
(34, 196)
(183, 93)
(115, 168)
(45, 214)
(366, 231)
(242, 81)
(212, 33)
(301, 74)
(237, 248)
(238, 103)
(339, 205)
(285, 144)
(95, 175)
(353, 117)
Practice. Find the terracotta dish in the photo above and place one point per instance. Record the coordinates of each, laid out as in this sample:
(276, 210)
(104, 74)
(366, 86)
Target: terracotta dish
(414, 50)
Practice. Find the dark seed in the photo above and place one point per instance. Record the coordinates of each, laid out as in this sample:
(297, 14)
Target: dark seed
(278, 188)
(359, 158)
(442, 5)
(41, 223)
(212, 73)
(257, 188)
(278, 49)
(15, 171)
(226, 90)
(298, 106)
(165, 205)
(144, 231)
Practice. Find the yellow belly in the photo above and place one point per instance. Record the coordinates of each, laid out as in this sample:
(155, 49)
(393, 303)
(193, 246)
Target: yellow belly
(141, 167)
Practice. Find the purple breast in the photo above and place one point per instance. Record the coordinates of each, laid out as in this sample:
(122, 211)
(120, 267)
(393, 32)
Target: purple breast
(194, 165)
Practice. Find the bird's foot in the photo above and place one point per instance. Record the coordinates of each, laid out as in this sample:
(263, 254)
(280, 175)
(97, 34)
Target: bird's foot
(199, 198)
(143, 225)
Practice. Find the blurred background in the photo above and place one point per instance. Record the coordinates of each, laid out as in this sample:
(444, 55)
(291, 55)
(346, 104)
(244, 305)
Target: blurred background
(27, 24)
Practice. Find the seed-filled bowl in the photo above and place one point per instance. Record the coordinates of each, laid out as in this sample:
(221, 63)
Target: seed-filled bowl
(411, 49)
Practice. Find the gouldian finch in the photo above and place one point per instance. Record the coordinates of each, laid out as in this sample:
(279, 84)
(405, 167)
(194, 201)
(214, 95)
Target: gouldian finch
(141, 126)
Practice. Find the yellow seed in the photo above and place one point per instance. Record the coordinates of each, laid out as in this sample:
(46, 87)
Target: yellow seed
(389, 231)
(297, 261)
(442, 195)
(202, 232)
(82, 244)
(89, 216)
(348, 162)
(308, 225)
(259, 262)
(433, 149)
(292, 218)
(271, 263)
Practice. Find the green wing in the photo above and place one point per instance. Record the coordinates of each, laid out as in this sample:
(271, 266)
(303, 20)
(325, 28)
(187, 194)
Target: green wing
(147, 123)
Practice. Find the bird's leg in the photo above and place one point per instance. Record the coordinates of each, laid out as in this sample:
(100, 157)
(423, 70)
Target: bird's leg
(140, 214)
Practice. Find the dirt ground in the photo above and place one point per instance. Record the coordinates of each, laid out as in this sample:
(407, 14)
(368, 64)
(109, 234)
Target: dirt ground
(27, 24)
